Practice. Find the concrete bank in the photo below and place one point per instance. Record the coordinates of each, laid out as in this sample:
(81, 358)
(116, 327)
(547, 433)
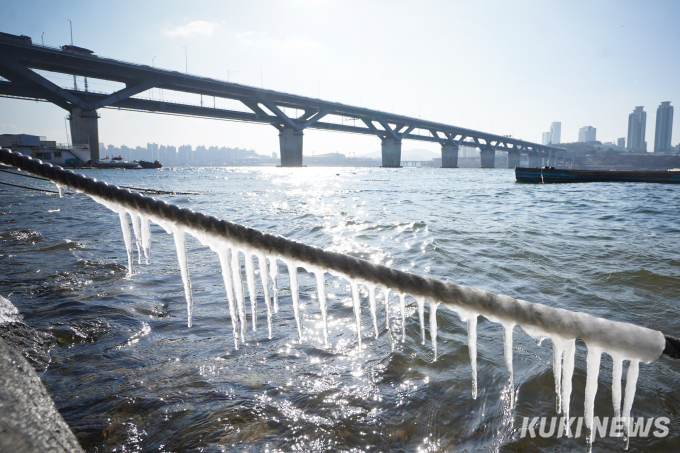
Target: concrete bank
(29, 421)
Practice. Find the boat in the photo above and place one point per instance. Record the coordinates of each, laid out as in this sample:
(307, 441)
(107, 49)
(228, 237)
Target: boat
(146, 164)
(117, 162)
(547, 175)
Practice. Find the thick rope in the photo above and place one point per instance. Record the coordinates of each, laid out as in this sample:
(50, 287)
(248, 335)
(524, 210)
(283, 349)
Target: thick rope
(624, 338)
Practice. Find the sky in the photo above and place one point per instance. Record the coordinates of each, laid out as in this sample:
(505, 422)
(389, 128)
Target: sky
(505, 67)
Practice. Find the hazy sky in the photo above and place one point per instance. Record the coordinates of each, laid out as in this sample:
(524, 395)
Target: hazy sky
(507, 67)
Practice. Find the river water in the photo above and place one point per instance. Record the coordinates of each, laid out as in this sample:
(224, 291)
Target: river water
(129, 375)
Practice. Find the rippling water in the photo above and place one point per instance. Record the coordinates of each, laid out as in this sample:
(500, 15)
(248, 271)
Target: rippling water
(128, 375)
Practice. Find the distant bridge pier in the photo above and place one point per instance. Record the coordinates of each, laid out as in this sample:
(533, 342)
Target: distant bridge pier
(534, 160)
(488, 157)
(85, 130)
(290, 142)
(391, 152)
(513, 158)
(449, 155)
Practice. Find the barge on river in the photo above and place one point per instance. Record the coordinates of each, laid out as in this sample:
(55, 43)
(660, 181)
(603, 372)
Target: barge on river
(553, 175)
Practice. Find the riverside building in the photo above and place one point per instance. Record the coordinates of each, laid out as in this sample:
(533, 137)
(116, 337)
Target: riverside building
(637, 123)
(664, 128)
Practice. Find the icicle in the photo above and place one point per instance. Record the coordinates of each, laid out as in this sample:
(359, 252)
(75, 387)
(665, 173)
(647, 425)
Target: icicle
(146, 236)
(357, 308)
(558, 353)
(181, 246)
(472, 347)
(433, 327)
(273, 273)
(125, 226)
(631, 384)
(372, 306)
(138, 235)
(421, 315)
(567, 375)
(321, 292)
(250, 283)
(223, 255)
(507, 340)
(238, 291)
(295, 294)
(264, 277)
(386, 302)
(60, 189)
(402, 309)
(617, 371)
(592, 372)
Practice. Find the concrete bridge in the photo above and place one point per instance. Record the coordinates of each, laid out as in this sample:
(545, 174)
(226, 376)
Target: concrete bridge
(19, 57)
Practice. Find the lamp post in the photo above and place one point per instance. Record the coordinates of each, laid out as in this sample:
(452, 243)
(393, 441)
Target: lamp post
(186, 60)
(75, 83)
(153, 66)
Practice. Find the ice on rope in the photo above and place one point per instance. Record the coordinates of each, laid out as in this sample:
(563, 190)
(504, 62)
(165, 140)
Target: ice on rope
(631, 385)
(420, 301)
(386, 302)
(273, 273)
(181, 247)
(60, 189)
(238, 291)
(433, 327)
(250, 283)
(356, 303)
(321, 293)
(295, 294)
(372, 307)
(622, 341)
(508, 329)
(264, 276)
(223, 254)
(146, 236)
(136, 228)
(125, 226)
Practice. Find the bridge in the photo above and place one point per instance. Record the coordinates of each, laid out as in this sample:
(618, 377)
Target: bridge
(20, 57)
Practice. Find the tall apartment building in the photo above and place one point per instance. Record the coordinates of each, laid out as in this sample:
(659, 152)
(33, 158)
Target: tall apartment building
(587, 134)
(546, 138)
(637, 123)
(621, 142)
(555, 132)
(664, 128)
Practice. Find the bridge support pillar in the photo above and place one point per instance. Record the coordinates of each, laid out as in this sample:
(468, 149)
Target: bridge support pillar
(391, 153)
(449, 155)
(290, 142)
(534, 160)
(513, 159)
(85, 130)
(488, 156)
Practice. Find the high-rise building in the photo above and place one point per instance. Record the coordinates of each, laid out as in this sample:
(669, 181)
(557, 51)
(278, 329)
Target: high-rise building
(555, 132)
(546, 138)
(587, 134)
(637, 124)
(664, 128)
(621, 142)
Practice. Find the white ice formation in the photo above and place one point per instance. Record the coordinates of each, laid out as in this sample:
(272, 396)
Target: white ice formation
(622, 341)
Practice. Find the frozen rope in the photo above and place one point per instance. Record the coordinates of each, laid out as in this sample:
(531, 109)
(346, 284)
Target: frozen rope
(629, 340)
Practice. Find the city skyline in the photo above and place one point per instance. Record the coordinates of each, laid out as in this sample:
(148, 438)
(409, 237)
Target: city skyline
(233, 42)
